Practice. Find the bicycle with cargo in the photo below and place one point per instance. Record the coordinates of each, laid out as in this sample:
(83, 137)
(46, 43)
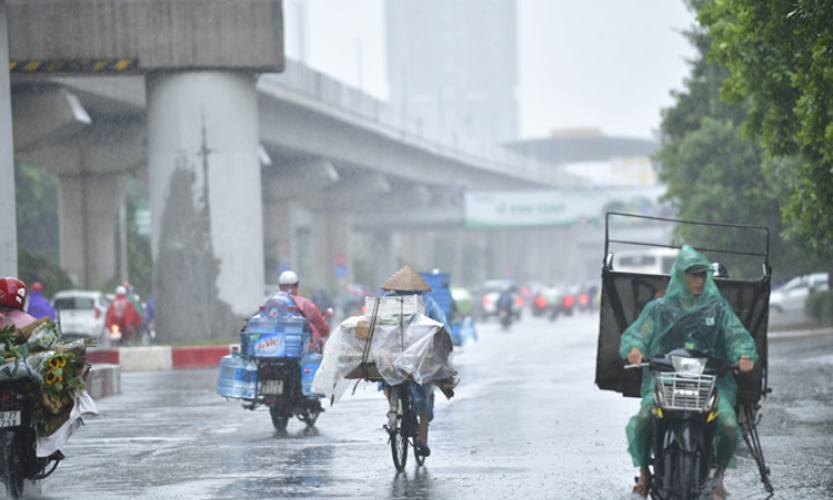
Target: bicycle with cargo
(274, 365)
(396, 345)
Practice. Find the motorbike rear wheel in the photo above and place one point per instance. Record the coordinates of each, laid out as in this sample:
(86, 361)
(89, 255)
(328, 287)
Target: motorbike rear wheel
(280, 418)
(12, 463)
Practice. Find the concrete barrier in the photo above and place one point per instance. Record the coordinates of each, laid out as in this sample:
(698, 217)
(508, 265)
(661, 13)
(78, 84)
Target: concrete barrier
(145, 358)
(105, 380)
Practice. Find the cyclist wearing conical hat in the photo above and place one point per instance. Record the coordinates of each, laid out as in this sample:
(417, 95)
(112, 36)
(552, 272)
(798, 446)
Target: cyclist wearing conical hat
(406, 281)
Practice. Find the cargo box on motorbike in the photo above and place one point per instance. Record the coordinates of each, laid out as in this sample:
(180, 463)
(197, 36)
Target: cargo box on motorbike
(625, 293)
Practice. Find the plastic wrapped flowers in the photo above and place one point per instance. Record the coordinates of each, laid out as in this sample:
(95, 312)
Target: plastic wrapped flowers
(55, 368)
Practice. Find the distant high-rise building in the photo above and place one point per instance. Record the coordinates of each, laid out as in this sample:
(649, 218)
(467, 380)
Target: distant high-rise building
(454, 65)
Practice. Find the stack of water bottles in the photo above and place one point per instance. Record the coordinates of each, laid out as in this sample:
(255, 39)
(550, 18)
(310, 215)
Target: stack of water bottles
(276, 331)
(238, 376)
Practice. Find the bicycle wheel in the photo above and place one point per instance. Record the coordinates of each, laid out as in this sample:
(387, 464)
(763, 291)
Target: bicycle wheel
(398, 437)
(420, 459)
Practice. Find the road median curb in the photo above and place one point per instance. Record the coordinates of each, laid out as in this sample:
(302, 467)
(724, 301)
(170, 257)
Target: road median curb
(155, 358)
(798, 334)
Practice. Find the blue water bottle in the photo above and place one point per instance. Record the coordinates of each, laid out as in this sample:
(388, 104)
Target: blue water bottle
(310, 363)
(231, 381)
(250, 383)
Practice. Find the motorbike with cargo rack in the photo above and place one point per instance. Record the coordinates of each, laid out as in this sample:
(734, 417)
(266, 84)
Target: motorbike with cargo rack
(682, 458)
(274, 365)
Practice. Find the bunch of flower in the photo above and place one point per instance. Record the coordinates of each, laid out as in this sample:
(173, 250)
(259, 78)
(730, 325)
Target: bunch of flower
(39, 354)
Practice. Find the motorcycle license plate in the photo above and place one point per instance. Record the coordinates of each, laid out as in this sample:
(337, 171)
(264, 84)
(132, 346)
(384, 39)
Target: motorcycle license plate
(274, 387)
(9, 418)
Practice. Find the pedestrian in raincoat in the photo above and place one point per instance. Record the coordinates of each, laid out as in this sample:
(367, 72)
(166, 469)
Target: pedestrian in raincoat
(693, 315)
(406, 281)
(38, 305)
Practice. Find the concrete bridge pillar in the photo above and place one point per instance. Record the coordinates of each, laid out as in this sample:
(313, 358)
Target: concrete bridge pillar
(330, 241)
(8, 223)
(278, 235)
(382, 258)
(90, 209)
(207, 216)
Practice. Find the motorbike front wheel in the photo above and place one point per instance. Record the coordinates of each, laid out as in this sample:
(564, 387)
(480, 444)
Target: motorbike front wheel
(280, 418)
(12, 464)
(686, 484)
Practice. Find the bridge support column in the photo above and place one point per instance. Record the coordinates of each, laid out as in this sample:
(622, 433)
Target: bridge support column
(90, 210)
(330, 237)
(207, 215)
(382, 259)
(279, 237)
(8, 224)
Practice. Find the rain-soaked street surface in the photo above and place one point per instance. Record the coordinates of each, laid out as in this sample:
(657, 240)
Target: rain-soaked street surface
(527, 422)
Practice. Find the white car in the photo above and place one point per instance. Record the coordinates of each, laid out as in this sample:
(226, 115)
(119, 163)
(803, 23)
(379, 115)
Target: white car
(81, 314)
(792, 296)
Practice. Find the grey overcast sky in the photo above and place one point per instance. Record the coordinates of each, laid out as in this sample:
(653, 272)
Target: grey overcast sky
(606, 64)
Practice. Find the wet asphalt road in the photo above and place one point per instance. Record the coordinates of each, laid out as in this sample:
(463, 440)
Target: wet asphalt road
(527, 422)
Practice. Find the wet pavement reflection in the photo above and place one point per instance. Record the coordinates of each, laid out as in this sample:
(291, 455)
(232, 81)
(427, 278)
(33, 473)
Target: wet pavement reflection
(527, 422)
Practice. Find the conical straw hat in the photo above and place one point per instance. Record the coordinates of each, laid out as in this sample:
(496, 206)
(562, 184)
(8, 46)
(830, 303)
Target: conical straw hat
(406, 280)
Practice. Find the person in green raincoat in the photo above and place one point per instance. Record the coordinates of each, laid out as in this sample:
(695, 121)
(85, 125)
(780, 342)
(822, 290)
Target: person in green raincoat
(693, 315)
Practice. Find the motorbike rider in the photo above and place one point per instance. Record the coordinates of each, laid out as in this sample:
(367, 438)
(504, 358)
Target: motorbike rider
(406, 281)
(122, 312)
(14, 302)
(38, 305)
(693, 315)
(504, 301)
(289, 282)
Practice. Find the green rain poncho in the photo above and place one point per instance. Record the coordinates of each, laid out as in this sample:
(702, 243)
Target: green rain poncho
(680, 319)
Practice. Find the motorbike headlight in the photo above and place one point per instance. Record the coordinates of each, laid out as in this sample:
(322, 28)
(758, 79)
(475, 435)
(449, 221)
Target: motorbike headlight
(689, 367)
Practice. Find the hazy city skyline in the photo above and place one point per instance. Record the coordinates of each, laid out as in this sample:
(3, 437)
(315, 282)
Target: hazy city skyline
(599, 64)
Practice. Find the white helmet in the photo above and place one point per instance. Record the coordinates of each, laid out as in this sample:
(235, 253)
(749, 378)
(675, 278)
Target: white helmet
(288, 278)
(120, 290)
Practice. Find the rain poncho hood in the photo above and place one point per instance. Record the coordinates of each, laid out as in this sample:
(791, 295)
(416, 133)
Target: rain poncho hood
(680, 319)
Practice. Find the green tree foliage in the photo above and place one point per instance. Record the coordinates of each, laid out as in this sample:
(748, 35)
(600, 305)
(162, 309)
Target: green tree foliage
(714, 174)
(36, 197)
(139, 260)
(780, 57)
(33, 267)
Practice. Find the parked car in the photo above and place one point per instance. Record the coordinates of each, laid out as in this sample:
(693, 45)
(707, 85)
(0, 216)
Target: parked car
(489, 293)
(791, 296)
(81, 314)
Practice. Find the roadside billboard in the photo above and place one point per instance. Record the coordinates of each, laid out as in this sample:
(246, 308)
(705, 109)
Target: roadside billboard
(507, 209)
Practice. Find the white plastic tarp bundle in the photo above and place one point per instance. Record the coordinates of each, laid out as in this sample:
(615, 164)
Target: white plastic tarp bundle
(410, 347)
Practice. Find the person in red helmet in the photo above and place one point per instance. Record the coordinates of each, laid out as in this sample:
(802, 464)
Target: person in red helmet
(122, 313)
(39, 307)
(14, 302)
